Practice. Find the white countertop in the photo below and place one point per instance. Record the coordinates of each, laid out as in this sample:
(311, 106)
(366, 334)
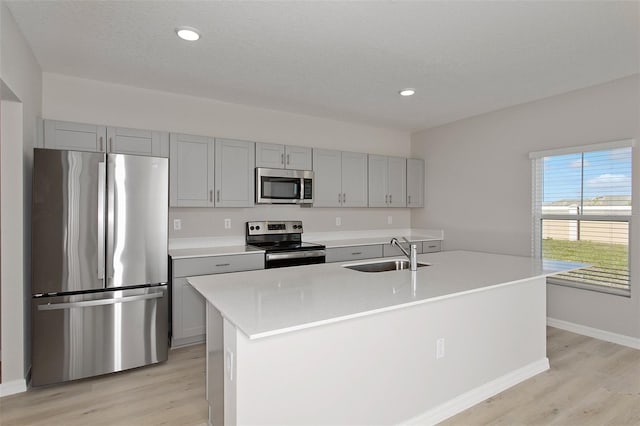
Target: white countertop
(183, 248)
(187, 253)
(268, 302)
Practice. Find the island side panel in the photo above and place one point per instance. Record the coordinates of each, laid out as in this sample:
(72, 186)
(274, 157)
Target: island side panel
(215, 365)
(382, 368)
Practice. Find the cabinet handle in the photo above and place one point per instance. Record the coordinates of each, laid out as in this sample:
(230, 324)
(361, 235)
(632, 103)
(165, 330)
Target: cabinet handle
(339, 198)
(355, 253)
(100, 143)
(211, 195)
(110, 144)
(390, 199)
(222, 264)
(408, 199)
(218, 195)
(386, 199)
(282, 159)
(432, 246)
(288, 159)
(344, 197)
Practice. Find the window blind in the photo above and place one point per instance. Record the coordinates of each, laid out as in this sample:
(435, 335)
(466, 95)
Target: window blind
(582, 212)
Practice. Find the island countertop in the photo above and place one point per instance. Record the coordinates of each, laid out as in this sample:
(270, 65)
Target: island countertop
(268, 302)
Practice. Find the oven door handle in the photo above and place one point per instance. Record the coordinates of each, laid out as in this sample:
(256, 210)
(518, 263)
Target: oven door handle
(294, 255)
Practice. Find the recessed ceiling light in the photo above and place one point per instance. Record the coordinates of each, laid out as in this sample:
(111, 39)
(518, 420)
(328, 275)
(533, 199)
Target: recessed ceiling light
(407, 92)
(188, 33)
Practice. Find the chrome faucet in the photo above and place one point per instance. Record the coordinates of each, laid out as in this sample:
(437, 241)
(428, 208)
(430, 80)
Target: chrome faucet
(412, 254)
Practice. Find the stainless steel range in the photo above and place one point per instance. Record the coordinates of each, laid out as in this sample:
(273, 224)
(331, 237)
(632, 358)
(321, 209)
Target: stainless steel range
(283, 245)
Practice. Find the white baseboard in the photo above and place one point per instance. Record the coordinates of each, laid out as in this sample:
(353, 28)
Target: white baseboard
(596, 333)
(12, 387)
(479, 394)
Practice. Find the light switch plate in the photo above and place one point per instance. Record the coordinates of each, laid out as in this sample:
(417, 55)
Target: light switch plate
(338, 221)
(227, 224)
(177, 224)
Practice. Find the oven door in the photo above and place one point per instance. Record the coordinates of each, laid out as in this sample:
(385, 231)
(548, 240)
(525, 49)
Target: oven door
(280, 186)
(294, 258)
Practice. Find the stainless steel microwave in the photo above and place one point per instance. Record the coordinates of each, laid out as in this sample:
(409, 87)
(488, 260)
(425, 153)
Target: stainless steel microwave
(283, 186)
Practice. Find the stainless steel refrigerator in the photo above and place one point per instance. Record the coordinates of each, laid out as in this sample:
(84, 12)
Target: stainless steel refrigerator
(99, 263)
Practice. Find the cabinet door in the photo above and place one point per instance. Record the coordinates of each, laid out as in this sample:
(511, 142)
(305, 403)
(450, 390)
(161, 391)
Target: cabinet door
(297, 157)
(191, 171)
(270, 155)
(188, 314)
(134, 141)
(397, 182)
(235, 173)
(347, 254)
(378, 181)
(354, 179)
(415, 183)
(74, 136)
(327, 180)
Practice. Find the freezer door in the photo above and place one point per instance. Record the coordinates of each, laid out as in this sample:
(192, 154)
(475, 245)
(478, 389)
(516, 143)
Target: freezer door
(137, 220)
(67, 233)
(89, 334)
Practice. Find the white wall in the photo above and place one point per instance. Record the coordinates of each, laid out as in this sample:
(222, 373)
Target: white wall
(479, 184)
(74, 99)
(21, 75)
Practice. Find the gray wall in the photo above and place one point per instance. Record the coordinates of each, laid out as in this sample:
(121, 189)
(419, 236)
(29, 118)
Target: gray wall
(21, 74)
(479, 184)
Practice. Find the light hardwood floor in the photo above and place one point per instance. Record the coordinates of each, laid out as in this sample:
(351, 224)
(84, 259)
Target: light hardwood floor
(590, 382)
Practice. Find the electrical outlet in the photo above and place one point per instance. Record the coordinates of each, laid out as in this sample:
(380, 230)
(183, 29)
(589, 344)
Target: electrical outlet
(440, 348)
(338, 221)
(227, 224)
(177, 224)
(389, 220)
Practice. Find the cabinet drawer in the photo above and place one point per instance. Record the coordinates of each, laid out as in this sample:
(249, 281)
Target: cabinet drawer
(431, 246)
(341, 254)
(217, 264)
(389, 250)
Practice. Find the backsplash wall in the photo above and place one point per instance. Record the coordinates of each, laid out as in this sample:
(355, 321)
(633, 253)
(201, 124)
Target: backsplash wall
(209, 222)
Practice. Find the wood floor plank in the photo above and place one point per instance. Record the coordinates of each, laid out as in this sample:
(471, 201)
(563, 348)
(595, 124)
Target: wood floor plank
(590, 382)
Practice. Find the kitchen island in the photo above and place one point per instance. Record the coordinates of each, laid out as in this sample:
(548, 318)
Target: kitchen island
(324, 344)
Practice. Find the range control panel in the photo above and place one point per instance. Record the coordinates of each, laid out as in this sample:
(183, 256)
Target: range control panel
(274, 227)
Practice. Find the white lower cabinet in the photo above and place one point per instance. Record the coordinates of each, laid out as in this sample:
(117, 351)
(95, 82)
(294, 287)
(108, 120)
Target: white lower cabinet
(388, 250)
(188, 314)
(352, 253)
(188, 307)
(345, 254)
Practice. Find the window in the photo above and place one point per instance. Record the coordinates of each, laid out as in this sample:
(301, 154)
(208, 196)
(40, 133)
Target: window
(582, 213)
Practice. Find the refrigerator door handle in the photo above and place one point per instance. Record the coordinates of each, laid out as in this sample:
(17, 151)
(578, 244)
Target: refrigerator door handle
(87, 303)
(101, 195)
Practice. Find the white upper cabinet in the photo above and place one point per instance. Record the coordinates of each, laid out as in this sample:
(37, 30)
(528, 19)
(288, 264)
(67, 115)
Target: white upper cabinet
(297, 157)
(387, 181)
(277, 156)
(354, 179)
(415, 182)
(234, 173)
(90, 137)
(327, 178)
(397, 182)
(141, 142)
(340, 178)
(74, 136)
(191, 171)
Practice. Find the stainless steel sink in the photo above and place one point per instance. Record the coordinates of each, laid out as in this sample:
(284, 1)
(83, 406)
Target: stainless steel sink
(384, 266)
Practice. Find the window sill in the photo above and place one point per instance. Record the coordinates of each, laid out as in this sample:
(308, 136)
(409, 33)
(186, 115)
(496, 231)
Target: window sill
(589, 287)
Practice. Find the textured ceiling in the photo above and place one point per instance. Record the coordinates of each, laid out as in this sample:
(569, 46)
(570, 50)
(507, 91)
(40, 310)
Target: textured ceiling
(343, 60)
